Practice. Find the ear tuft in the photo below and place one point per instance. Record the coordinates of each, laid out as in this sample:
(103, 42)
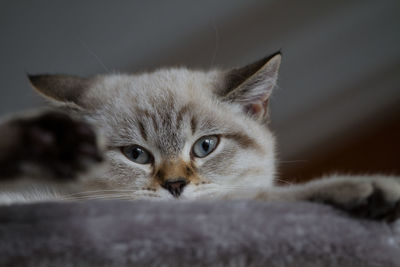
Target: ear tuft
(252, 85)
(61, 88)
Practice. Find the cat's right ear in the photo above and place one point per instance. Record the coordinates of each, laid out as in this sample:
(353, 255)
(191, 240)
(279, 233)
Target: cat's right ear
(65, 89)
(251, 86)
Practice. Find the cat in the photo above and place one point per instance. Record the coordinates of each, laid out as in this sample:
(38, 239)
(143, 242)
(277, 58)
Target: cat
(170, 134)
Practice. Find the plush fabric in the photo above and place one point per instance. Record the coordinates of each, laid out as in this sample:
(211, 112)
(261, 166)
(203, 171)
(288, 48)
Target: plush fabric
(239, 233)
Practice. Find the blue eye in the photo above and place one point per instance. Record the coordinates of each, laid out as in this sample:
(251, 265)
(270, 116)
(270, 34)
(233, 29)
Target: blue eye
(137, 154)
(205, 145)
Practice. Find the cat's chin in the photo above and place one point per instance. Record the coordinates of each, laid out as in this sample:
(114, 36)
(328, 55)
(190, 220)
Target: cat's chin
(190, 193)
(203, 192)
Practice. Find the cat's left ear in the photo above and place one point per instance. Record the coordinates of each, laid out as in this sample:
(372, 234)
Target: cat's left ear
(63, 89)
(251, 86)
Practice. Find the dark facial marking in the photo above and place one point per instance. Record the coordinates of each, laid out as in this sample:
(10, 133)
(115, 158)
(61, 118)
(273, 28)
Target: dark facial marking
(160, 175)
(193, 124)
(154, 120)
(142, 131)
(218, 163)
(188, 171)
(166, 119)
(243, 140)
(143, 112)
(163, 111)
(181, 113)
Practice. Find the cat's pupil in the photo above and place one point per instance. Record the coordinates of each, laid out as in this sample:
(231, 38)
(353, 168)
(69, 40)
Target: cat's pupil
(206, 145)
(136, 152)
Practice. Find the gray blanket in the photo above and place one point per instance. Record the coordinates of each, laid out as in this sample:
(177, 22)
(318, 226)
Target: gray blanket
(239, 233)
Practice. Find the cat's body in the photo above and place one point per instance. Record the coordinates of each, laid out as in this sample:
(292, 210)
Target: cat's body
(171, 134)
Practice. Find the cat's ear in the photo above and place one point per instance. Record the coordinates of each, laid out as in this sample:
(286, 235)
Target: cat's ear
(251, 86)
(60, 88)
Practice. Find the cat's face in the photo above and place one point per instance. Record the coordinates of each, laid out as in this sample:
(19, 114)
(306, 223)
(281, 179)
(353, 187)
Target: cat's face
(176, 133)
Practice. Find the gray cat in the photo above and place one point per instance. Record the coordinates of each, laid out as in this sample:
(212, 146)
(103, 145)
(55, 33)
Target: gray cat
(170, 134)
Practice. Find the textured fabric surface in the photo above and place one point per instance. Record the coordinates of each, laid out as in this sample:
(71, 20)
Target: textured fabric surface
(239, 233)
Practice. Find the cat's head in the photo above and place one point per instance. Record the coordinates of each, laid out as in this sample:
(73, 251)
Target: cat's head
(177, 132)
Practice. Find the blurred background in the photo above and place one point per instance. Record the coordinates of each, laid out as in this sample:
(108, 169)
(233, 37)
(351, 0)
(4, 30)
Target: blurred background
(337, 107)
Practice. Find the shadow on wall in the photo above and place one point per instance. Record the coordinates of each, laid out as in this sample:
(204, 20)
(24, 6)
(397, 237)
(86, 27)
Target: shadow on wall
(372, 150)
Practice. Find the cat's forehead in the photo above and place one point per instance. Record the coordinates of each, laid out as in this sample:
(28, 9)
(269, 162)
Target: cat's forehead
(160, 86)
(169, 92)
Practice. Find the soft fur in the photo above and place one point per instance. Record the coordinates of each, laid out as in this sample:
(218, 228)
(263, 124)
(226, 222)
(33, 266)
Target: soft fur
(240, 233)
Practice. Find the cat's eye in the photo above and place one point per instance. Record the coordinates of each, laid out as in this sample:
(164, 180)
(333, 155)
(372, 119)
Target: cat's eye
(205, 145)
(137, 154)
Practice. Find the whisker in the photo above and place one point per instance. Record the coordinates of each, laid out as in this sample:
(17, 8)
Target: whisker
(101, 191)
(129, 195)
(222, 186)
(93, 54)
(110, 191)
(283, 181)
(97, 197)
(293, 161)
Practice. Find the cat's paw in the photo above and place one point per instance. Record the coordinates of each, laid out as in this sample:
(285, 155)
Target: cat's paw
(61, 146)
(371, 198)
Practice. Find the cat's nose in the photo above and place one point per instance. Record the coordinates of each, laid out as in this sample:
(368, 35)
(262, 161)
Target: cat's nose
(175, 186)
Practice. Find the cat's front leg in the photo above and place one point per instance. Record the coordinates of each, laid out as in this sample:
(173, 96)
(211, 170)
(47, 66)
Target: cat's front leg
(376, 198)
(50, 145)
